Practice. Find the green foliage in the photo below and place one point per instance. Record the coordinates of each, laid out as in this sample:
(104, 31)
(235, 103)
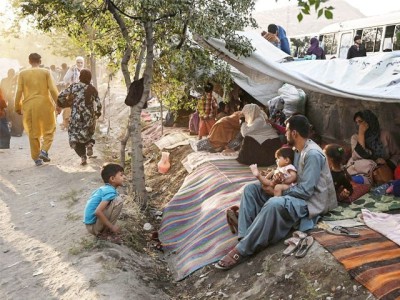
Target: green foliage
(305, 7)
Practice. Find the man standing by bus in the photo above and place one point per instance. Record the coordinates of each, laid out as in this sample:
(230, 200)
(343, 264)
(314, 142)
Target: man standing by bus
(358, 49)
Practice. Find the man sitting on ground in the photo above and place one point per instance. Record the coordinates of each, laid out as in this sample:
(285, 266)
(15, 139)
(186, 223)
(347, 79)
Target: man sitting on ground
(264, 219)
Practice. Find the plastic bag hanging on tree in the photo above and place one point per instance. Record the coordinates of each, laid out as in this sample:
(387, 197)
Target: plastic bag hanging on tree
(164, 164)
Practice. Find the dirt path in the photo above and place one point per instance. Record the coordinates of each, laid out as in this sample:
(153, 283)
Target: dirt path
(45, 251)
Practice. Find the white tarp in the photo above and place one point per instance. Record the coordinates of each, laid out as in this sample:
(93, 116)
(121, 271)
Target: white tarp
(373, 78)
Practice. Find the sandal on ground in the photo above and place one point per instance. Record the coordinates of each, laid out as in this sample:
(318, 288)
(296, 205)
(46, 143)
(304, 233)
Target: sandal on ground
(299, 234)
(340, 230)
(232, 214)
(304, 246)
(292, 244)
(232, 259)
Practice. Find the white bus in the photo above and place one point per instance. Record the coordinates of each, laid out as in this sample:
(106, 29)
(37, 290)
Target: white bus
(378, 34)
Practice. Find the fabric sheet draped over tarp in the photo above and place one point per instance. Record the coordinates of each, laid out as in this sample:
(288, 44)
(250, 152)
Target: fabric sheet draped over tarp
(372, 78)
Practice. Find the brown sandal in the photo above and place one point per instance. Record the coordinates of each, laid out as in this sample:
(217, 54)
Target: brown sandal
(232, 215)
(232, 259)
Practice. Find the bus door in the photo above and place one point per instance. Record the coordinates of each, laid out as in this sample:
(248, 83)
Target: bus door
(346, 41)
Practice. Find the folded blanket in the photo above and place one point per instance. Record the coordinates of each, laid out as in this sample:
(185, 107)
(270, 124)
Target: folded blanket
(173, 140)
(386, 224)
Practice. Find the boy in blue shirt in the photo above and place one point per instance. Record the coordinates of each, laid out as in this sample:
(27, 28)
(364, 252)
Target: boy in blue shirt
(105, 204)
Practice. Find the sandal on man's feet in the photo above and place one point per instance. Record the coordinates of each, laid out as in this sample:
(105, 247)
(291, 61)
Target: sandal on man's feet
(232, 259)
(340, 230)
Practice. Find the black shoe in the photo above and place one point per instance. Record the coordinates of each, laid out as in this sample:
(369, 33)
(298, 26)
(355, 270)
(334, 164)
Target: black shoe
(44, 155)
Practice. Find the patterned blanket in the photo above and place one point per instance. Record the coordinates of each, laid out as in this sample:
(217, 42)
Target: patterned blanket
(194, 231)
(368, 201)
(371, 259)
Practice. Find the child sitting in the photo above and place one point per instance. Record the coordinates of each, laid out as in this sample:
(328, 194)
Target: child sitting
(341, 178)
(285, 174)
(104, 205)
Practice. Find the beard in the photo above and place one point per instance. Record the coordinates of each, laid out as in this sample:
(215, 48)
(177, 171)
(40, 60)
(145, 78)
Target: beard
(290, 141)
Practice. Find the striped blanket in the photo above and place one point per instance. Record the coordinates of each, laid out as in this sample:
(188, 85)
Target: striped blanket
(372, 259)
(194, 231)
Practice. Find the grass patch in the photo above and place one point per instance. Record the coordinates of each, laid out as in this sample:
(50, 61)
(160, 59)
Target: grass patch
(86, 244)
(72, 197)
(72, 217)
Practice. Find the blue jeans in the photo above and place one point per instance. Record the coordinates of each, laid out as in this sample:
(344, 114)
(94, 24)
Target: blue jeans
(265, 219)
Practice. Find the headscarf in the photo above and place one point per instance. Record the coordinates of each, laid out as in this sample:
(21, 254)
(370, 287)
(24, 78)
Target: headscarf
(256, 124)
(372, 135)
(315, 48)
(85, 77)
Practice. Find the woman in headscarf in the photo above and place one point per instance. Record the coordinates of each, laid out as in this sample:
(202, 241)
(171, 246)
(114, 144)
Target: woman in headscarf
(316, 49)
(260, 139)
(85, 109)
(371, 142)
(222, 134)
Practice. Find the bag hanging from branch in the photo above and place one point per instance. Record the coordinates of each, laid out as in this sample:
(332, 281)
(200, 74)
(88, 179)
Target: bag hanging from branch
(135, 93)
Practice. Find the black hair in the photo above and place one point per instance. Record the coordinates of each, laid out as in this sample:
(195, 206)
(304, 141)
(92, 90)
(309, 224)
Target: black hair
(272, 28)
(285, 152)
(35, 58)
(110, 170)
(208, 88)
(335, 152)
(300, 124)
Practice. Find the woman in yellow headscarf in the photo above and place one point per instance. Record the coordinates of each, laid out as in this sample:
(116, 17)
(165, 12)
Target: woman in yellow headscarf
(33, 101)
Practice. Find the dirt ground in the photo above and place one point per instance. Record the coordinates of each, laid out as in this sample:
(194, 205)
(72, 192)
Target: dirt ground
(46, 253)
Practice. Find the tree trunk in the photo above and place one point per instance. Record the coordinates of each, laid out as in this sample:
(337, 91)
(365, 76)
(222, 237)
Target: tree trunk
(128, 130)
(138, 179)
(93, 70)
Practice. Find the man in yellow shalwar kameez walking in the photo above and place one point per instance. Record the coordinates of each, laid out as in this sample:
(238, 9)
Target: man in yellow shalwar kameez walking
(33, 101)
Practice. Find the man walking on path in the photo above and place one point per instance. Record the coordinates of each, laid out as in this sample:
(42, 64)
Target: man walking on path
(33, 101)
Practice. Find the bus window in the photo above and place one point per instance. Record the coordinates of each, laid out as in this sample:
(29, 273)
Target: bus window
(330, 43)
(389, 38)
(396, 39)
(345, 43)
(369, 39)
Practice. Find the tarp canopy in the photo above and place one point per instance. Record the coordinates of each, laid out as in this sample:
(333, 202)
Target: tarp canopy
(372, 78)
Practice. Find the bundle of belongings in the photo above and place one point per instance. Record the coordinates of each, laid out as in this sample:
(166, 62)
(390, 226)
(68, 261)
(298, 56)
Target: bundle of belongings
(290, 100)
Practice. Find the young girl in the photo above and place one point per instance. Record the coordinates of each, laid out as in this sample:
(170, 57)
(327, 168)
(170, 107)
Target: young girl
(285, 174)
(341, 178)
